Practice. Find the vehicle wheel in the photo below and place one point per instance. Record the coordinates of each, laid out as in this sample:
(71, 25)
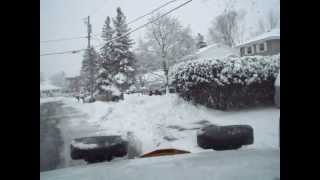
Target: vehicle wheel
(109, 158)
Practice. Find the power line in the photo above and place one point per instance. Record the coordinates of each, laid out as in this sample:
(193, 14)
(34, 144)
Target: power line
(63, 52)
(142, 26)
(63, 39)
(151, 12)
(130, 32)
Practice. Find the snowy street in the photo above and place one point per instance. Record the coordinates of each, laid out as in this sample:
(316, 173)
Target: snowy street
(156, 121)
(57, 132)
(153, 90)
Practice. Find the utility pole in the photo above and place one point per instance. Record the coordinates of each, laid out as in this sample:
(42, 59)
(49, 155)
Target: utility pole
(89, 31)
(91, 57)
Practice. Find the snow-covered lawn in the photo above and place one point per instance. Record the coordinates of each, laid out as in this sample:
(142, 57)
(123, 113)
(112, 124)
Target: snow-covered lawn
(170, 122)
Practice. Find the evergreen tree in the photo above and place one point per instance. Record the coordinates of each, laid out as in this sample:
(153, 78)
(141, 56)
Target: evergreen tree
(123, 60)
(200, 41)
(107, 35)
(89, 71)
(104, 77)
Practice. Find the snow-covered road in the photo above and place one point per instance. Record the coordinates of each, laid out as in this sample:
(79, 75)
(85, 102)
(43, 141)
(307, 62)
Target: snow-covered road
(59, 125)
(158, 122)
(170, 122)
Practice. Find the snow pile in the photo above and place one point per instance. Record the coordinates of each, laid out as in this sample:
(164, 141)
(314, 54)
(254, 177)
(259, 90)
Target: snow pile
(170, 122)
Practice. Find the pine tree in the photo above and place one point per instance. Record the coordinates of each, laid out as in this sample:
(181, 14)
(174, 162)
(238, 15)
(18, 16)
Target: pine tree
(104, 78)
(107, 35)
(123, 60)
(89, 71)
(200, 41)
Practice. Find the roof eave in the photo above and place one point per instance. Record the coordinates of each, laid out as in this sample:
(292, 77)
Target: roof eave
(257, 41)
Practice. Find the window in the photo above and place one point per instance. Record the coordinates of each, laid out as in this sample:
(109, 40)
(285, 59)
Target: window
(262, 47)
(249, 50)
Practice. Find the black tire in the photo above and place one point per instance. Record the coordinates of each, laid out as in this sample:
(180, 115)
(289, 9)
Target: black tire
(109, 158)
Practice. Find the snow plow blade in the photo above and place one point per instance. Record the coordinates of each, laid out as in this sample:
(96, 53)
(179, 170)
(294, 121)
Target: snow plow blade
(164, 152)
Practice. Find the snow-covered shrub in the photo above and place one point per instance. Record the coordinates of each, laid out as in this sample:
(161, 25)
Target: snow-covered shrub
(232, 82)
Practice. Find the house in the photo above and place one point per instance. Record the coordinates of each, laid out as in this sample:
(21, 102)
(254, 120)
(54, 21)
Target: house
(73, 84)
(265, 44)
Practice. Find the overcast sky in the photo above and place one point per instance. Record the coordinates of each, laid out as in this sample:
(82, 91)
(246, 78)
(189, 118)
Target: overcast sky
(65, 18)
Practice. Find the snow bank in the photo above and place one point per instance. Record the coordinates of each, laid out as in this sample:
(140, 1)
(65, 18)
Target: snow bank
(155, 119)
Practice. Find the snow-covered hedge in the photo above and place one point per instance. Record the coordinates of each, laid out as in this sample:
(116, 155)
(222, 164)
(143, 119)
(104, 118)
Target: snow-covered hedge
(228, 83)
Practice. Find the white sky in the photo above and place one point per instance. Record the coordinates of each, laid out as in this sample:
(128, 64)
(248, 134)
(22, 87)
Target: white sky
(64, 19)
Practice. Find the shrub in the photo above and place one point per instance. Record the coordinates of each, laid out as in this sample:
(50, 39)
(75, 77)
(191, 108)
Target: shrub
(233, 82)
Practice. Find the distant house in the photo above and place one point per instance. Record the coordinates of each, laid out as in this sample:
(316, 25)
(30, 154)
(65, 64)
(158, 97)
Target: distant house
(265, 44)
(48, 90)
(73, 84)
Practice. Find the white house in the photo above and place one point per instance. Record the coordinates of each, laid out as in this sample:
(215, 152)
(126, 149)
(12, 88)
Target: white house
(265, 44)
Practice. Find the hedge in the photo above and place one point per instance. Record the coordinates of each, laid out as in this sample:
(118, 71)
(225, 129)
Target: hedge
(233, 82)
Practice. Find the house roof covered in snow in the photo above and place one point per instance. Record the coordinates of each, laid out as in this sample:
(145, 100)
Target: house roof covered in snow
(212, 51)
(47, 86)
(272, 34)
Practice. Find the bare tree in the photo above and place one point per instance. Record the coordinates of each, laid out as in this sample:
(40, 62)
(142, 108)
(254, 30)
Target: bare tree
(226, 28)
(170, 41)
(271, 21)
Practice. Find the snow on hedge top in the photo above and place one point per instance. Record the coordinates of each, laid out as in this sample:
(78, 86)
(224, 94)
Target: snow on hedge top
(273, 34)
(230, 70)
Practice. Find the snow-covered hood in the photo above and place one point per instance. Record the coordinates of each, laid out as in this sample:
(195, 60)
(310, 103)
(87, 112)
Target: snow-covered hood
(248, 164)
